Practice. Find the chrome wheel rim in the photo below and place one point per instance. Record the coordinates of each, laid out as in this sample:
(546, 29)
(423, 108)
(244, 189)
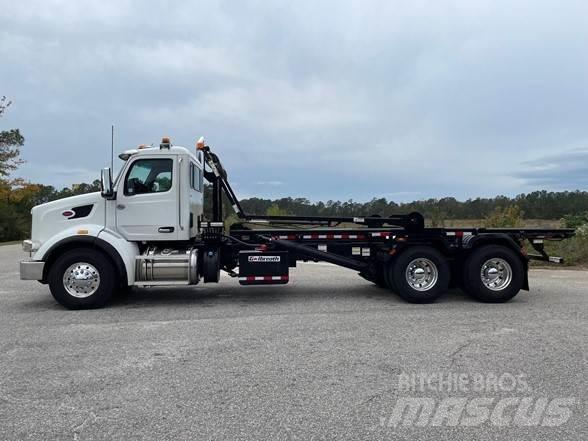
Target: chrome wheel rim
(421, 274)
(496, 274)
(81, 280)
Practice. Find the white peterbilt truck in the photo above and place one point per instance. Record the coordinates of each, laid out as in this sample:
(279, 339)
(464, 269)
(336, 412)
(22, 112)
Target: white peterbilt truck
(147, 228)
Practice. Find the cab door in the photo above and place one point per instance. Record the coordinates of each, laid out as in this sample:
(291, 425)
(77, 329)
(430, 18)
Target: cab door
(147, 199)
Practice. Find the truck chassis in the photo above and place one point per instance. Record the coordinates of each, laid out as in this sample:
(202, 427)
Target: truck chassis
(397, 253)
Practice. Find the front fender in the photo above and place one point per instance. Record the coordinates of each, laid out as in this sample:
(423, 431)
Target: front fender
(82, 232)
(121, 251)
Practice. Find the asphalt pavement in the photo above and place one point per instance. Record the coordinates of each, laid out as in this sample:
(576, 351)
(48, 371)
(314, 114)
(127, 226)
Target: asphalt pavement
(328, 356)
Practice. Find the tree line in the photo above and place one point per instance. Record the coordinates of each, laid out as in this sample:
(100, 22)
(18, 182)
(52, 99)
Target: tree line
(500, 211)
(535, 205)
(17, 197)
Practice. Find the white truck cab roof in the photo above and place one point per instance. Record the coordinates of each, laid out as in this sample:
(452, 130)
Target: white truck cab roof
(174, 150)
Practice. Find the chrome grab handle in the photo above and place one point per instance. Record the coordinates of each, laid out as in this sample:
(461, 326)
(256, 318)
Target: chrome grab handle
(180, 194)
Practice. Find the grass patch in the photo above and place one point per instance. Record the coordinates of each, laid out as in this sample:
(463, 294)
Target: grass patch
(479, 223)
(574, 250)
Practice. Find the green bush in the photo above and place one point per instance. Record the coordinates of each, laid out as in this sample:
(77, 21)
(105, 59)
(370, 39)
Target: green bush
(13, 225)
(574, 250)
(575, 220)
(507, 217)
(582, 230)
(275, 210)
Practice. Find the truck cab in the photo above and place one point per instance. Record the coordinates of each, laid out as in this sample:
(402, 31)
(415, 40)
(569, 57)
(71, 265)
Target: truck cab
(157, 197)
(167, 178)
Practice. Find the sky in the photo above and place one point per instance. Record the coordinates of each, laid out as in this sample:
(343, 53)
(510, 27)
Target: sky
(319, 99)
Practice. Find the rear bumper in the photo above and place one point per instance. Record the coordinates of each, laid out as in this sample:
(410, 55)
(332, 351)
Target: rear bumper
(31, 270)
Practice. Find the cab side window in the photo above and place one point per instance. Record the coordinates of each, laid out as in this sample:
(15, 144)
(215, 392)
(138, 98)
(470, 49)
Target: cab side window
(195, 177)
(149, 176)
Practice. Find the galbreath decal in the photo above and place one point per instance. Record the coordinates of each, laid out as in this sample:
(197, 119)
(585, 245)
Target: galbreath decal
(263, 259)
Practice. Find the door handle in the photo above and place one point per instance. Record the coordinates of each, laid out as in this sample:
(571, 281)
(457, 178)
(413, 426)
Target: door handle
(166, 229)
(121, 206)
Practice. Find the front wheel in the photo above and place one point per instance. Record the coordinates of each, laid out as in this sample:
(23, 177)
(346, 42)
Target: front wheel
(82, 279)
(493, 274)
(419, 275)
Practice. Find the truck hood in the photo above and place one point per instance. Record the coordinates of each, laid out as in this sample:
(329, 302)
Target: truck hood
(72, 201)
(53, 217)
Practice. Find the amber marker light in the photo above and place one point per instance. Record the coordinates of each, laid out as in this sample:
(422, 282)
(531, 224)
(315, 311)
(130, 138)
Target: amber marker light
(200, 143)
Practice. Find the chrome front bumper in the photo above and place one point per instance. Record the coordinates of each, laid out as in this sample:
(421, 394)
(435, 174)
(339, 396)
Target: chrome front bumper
(31, 270)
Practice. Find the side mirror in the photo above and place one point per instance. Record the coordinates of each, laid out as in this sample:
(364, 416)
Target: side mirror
(106, 183)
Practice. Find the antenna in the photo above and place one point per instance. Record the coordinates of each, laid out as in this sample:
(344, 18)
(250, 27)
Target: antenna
(112, 149)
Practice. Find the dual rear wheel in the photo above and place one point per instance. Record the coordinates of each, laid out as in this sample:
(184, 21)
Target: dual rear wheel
(491, 273)
(419, 274)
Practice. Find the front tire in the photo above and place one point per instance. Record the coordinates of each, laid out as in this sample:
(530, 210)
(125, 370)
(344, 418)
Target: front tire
(419, 275)
(82, 279)
(493, 274)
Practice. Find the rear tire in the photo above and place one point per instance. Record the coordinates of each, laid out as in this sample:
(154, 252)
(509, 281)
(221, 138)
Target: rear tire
(82, 279)
(493, 274)
(388, 276)
(419, 275)
(380, 279)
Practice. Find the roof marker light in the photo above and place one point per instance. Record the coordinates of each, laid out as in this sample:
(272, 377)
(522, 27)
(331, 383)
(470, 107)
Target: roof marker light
(200, 143)
(165, 143)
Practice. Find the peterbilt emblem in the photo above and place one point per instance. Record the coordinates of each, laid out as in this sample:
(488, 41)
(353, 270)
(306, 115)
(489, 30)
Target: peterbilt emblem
(263, 259)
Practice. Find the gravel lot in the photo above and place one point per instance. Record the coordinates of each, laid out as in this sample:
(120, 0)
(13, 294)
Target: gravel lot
(319, 358)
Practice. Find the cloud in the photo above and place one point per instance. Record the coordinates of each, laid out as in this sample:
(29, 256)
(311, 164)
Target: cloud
(336, 99)
(557, 170)
(272, 183)
(59, 176)
(272, 106)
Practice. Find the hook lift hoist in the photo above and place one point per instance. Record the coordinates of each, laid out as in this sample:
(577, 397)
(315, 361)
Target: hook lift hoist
(147, 228)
